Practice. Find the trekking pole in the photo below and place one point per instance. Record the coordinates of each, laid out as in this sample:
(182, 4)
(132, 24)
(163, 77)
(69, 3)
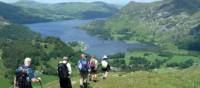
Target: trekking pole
(40, 83)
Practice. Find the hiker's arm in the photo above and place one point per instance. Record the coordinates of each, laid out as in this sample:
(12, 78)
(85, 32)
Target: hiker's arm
(32, 76)
(34, 80)
(69, 68)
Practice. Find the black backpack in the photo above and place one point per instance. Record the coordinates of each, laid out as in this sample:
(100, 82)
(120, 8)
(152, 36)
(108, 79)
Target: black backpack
(63, 71)
(21, 78)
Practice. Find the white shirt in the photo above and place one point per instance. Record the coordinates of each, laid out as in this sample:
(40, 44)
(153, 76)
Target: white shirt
(104, 63)
(69, 67)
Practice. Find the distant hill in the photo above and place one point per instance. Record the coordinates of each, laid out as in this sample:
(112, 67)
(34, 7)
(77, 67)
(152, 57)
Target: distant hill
(16, 14)
(166, 23)
(69, 10)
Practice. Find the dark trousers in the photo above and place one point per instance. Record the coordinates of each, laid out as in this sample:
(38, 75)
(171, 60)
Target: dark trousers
(24, 85)
(65, 83)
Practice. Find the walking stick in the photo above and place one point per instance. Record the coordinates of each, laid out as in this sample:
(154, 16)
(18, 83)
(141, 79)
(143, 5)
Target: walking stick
(40, 83)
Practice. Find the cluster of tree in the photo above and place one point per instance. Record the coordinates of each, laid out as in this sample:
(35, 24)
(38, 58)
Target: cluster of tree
(142, 63)
(194, 43)
(182, 65)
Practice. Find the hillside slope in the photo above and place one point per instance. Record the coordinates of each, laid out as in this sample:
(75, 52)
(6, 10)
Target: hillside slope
(162, 78)
(16, 14)
(166, 23)
(70, 10)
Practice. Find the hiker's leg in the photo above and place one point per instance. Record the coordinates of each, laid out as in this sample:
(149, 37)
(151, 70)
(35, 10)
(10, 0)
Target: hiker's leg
(69, 84)
(65, 83)
(85, 78)
(81, 80)
(92, 76)
(62, 83)
(106, 74)
(95, 75)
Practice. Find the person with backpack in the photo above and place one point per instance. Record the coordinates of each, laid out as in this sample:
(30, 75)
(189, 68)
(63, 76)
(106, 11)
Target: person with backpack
(25, 75)
(105, 66)
(93, 64)
(64, 72)
(83, 70)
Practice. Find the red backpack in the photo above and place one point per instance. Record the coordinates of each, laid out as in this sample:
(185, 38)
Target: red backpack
(92, 64)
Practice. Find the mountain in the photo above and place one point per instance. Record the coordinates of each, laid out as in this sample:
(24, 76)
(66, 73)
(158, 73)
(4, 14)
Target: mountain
(178, 6)
(166, 23)
(16, 14)
(69, 10)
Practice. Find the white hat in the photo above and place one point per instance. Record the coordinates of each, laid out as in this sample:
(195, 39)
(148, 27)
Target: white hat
(27, 59)
(104, 57)
(65, 58)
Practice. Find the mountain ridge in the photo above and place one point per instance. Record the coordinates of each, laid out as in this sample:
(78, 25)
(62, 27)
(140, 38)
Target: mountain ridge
(161, 23)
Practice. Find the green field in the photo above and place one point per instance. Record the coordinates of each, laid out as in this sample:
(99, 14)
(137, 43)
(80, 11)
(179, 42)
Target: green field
(3, 82)
(152, 55)
(171, 79)
(162, 78)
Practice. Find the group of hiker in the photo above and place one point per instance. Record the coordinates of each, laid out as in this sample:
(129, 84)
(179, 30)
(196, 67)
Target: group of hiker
(88, 69)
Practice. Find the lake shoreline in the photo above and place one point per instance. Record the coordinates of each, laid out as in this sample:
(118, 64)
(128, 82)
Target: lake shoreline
(67, 31)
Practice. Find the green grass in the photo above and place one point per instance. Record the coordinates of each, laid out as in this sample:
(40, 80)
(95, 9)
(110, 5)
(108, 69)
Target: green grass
(180, 59)
(46, 79)
(161, 78)
(155, 79)
(3, 81)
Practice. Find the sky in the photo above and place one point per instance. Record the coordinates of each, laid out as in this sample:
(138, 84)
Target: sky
(122, 2)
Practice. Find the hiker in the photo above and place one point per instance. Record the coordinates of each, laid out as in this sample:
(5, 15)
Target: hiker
(25, 75)
(105, 66)
(83, 70)
(93, 64)
(64, 72)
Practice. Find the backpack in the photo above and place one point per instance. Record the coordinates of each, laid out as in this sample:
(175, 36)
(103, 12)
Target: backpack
(104, 64)
(22, 78)
(92, 64)
(63, 71)
(83, 66)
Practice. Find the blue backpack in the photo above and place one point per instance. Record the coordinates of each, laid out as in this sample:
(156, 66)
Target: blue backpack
(83, 66)
(21, 78)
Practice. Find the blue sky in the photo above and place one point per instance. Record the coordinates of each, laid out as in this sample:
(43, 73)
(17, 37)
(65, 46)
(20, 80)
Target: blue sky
(108, 1)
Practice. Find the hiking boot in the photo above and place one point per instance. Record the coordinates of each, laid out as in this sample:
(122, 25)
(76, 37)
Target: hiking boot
(104, 78)
(85, 85)
(94, 80)
(81, 86)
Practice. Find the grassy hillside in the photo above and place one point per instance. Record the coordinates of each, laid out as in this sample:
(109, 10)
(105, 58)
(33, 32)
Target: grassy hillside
(3, 81)
(168, 23)
(172, 25)
(161, 78)
(71, 10)
(169, 78)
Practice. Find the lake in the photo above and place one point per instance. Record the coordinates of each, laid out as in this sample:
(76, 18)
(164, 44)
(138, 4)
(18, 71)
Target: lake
(68, 32)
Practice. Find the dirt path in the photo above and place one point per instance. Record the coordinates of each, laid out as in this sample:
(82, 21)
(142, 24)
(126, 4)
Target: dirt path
(55, 84)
